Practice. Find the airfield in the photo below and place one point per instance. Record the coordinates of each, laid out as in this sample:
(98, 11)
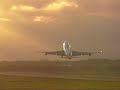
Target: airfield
(59, 75)
(11, 82)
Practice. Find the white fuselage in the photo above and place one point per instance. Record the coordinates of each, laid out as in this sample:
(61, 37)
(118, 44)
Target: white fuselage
(67, 49)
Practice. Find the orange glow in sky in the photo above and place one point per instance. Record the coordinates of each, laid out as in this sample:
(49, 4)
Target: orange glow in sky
(30, 25)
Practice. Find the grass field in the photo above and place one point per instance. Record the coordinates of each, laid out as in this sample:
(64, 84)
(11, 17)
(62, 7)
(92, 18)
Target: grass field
(11, 82)
(94, 69)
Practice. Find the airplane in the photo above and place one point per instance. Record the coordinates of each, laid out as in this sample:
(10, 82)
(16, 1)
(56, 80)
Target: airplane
(68, 53)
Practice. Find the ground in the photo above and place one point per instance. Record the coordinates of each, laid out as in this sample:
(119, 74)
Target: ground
(12, 82)
(97, 74)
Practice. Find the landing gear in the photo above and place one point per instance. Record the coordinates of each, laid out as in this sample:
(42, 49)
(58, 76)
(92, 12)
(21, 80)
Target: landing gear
(67, 64)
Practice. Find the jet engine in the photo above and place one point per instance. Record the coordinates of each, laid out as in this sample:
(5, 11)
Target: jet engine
(45, 53)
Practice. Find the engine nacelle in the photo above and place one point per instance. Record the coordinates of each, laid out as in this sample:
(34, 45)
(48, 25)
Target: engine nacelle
(89, 54)
(45, 53)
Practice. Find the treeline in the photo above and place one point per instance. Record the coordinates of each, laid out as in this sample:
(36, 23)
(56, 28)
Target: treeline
(46, 66)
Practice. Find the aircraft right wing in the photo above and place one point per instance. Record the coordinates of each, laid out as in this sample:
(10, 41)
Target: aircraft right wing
(59, 53)
(76, 53)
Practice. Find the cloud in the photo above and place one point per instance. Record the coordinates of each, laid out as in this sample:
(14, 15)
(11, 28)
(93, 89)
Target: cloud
(60, 5)
(43, 19)
(26, 11)
(107, 8)
(5, 19)
(53, 6)
(23, 8)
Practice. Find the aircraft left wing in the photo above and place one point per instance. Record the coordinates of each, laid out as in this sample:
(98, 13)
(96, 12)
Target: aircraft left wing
(77, 53)
(59, 53)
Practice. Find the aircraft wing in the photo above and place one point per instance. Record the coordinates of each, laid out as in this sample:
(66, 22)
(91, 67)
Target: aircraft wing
(77, 53)
(59, 53)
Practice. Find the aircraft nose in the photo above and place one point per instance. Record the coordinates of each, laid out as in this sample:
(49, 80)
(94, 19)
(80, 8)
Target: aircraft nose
(65, 42)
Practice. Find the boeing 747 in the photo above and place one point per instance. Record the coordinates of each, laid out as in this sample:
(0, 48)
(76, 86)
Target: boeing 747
(68, 53)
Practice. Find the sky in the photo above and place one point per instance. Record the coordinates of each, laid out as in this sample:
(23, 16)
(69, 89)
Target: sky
(27, 26)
